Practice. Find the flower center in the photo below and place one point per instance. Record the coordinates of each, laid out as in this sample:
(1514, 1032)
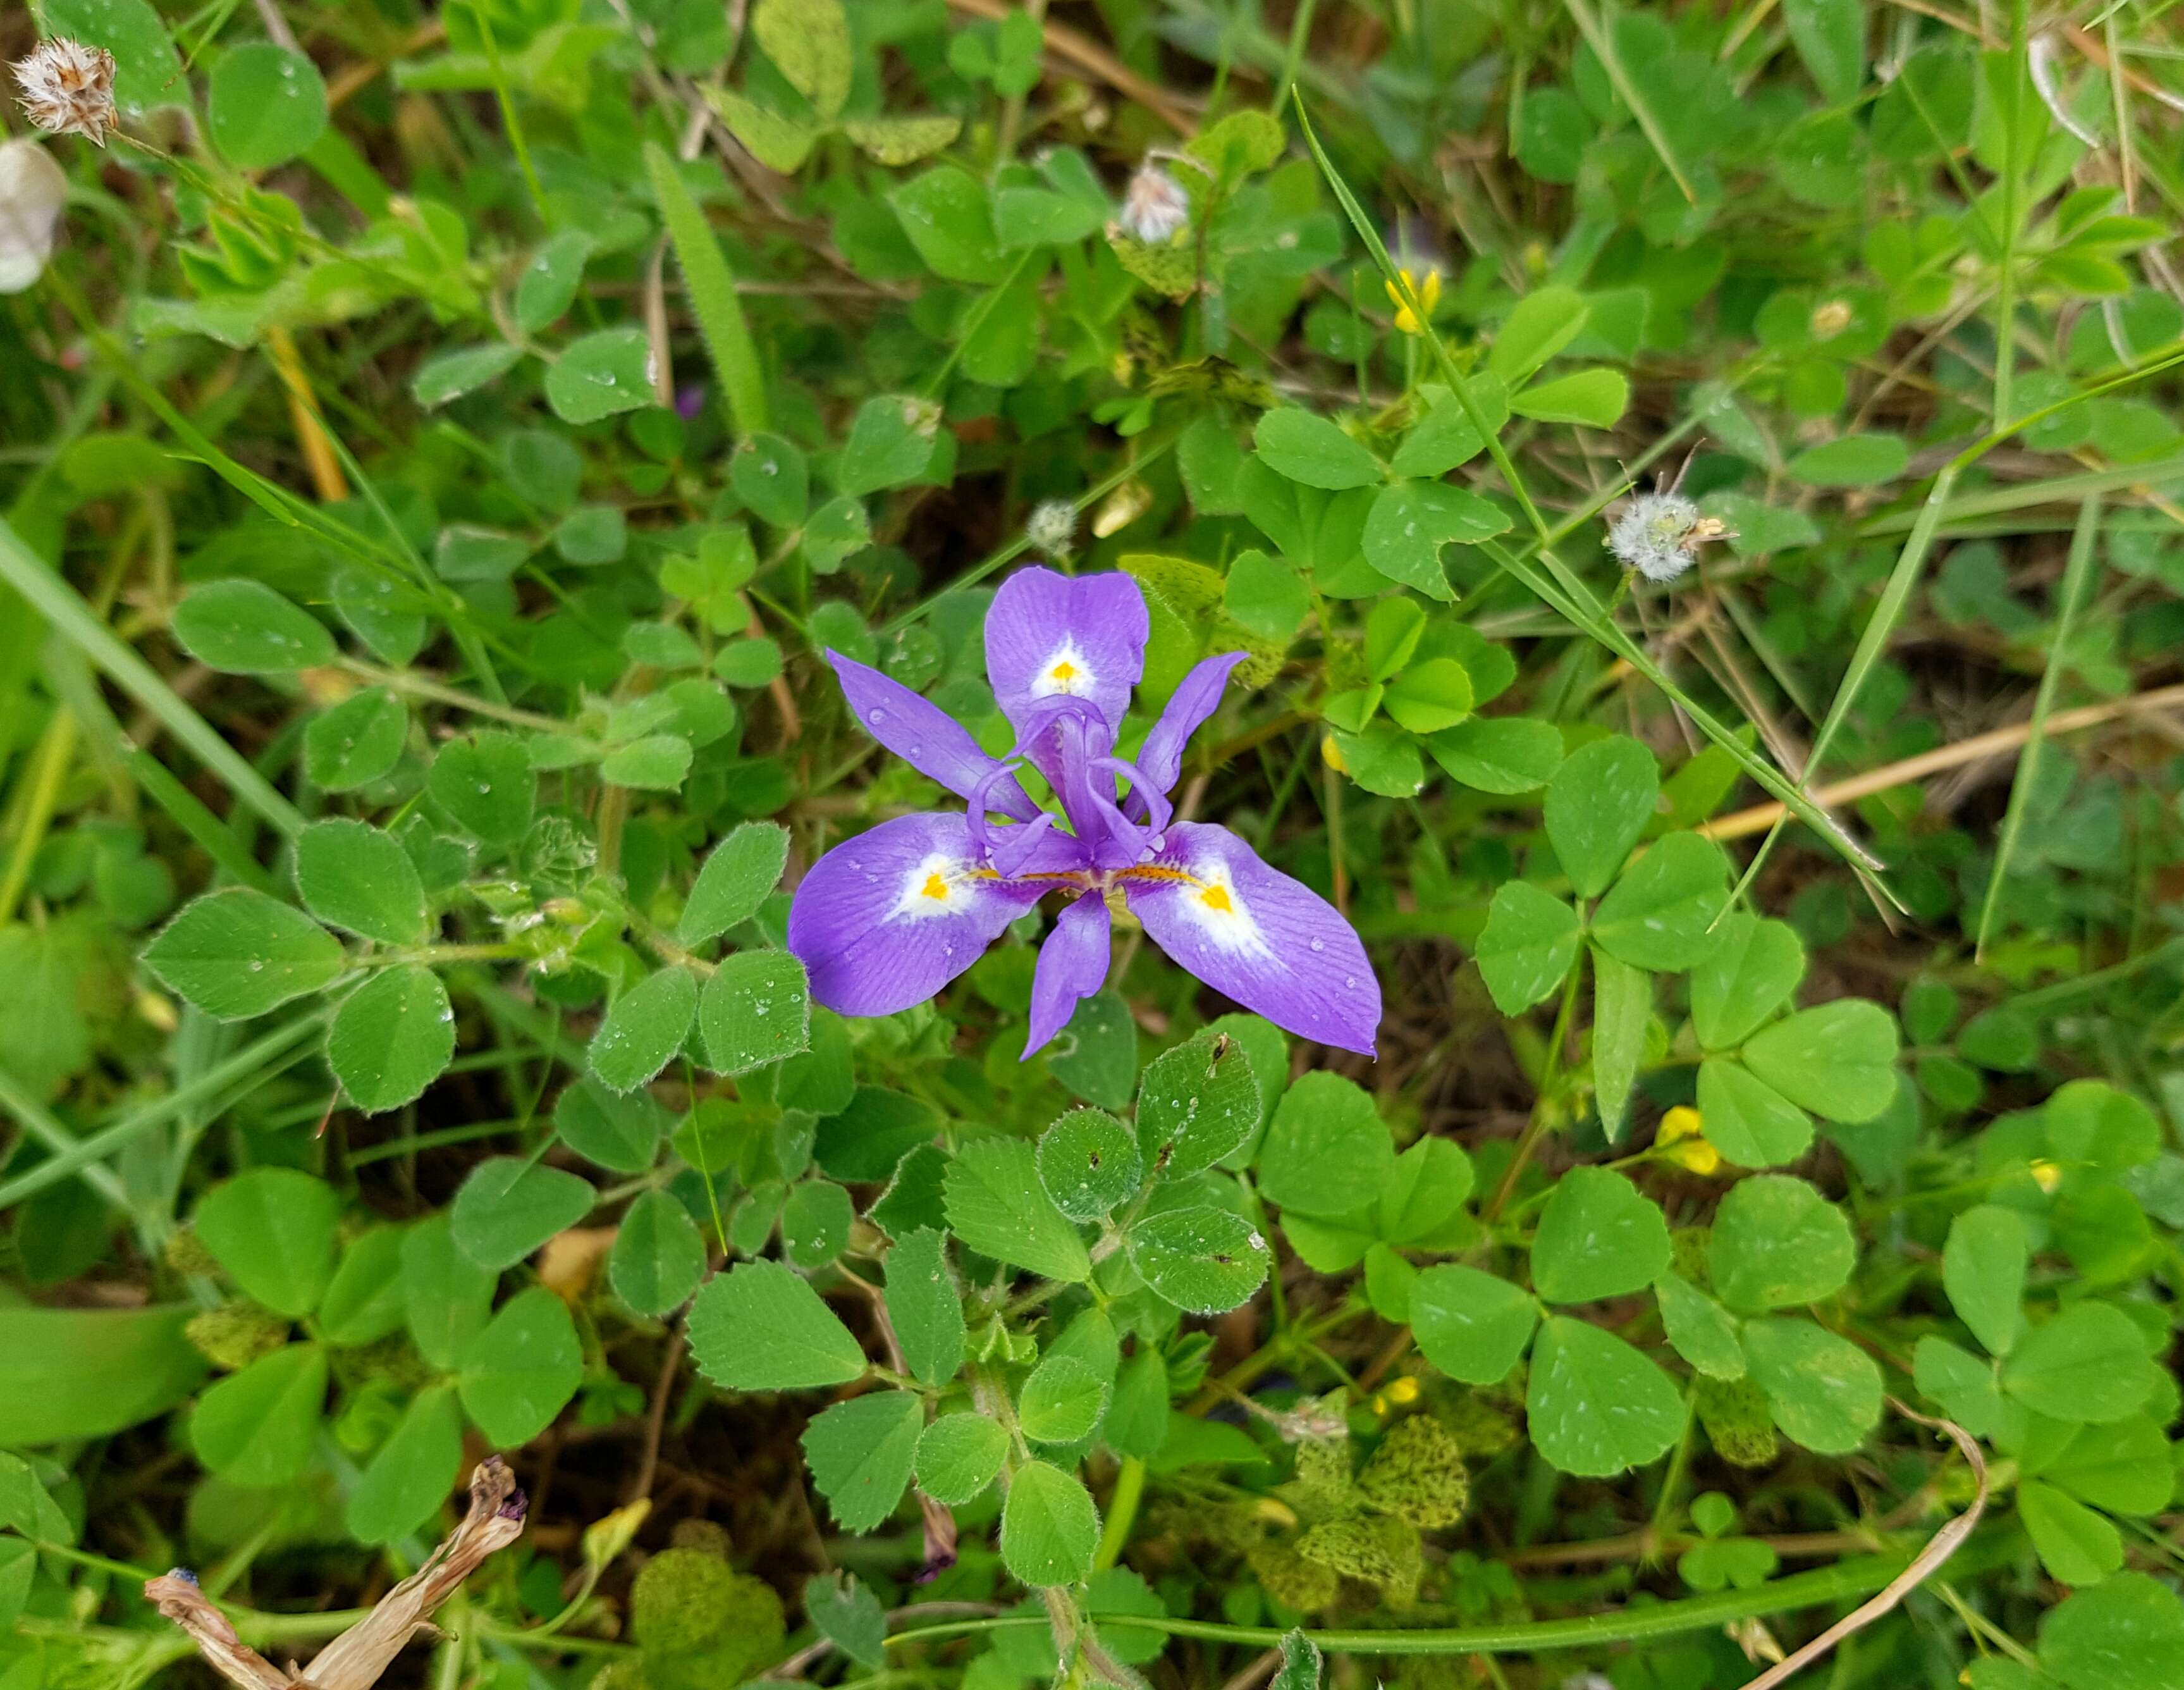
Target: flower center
(934, 887)
(1065, 674)
(1217, 898)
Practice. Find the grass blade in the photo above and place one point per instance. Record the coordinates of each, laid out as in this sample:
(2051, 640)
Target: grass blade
(1596, 38)
(61, 606)
(259, 1060)
(2077, 578)
(1566, 594)
(712, 286)
(40, 1123)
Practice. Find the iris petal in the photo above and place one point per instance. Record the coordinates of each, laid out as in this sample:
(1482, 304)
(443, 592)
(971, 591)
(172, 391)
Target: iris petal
(1073, 965)
(1189, 705)
(928, 739)
(1256, 935)
(886, 920)
(1050, 635)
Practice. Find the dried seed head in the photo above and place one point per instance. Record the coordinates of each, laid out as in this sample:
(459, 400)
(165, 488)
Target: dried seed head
(1050, 527)
(1155, 207)
(1658, 534)
(68, 88)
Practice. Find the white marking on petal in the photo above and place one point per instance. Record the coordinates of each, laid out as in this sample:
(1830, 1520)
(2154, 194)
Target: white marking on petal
(940, 885)
(1064, 672)
(1217, 910)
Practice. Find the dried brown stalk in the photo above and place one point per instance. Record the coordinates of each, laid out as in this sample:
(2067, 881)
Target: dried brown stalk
(2000, 741)
(1939, 1548)
(356, 1659)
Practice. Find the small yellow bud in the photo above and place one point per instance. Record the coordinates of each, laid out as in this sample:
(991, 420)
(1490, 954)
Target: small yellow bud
(1331, 754)
(1682, 1141)
(606, 1537)
(1404, 1390)
(2046, 1176)
(1698, 1154)
(1426, 290)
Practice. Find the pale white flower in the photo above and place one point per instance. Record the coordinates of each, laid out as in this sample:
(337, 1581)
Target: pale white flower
(33, 193)
(1051, 525)
(68, 88)
(1659, 534)
(1155, 206)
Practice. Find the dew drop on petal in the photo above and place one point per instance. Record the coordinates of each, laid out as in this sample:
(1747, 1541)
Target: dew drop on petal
(1318, 944)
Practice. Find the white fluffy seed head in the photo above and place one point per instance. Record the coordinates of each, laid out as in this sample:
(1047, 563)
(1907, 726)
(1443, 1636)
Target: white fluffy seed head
(68, 88)
(1051, 525)
(33, 193)
(1658, 534)
(1155, 207)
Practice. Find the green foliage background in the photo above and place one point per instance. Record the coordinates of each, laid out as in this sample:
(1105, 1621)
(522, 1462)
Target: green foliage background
(433, 460)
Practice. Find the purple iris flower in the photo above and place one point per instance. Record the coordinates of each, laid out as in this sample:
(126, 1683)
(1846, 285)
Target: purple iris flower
(888, 918)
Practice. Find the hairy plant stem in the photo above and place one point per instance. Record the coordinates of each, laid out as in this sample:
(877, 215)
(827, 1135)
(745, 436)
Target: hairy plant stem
(1858, 1576)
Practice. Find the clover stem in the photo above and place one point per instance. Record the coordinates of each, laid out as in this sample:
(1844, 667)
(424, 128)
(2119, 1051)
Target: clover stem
(1542, 1112)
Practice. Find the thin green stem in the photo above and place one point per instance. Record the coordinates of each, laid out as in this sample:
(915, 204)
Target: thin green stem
(1121, 1512)
(509, 120)
(1150, 453)
(2005, 298)
(1858, 1575)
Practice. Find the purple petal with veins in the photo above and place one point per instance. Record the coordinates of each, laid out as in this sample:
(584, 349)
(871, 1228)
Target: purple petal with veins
(886, 920)
(1073, 965)
(1254, 934)
(1050, 636)
(1189, 705)
(928, 739)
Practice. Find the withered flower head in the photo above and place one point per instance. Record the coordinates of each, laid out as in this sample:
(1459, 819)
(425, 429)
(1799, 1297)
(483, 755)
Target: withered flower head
(356, 1659)
(68, 88)
(1156, 206)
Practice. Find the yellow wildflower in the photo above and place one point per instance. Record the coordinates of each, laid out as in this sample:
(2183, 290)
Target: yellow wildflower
(1426, 290)
(1683, 1128)
(1405, 1390)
